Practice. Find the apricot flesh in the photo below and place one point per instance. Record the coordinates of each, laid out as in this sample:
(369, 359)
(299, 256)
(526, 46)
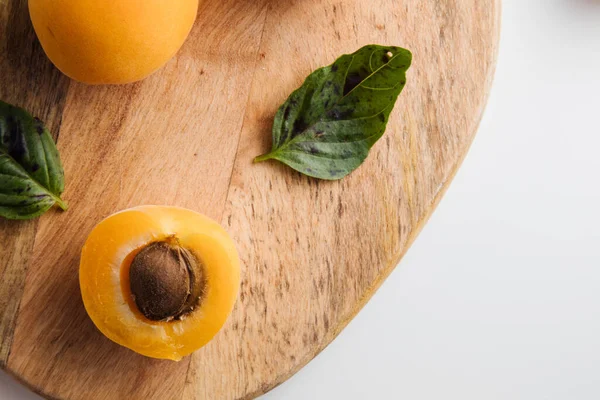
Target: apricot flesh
(111, 41)
(108, 291)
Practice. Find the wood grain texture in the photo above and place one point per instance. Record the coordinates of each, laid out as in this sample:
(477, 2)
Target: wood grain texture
(312, 252)
(29, 80)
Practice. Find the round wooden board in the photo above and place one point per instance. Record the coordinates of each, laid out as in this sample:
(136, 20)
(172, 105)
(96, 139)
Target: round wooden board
(313, 252)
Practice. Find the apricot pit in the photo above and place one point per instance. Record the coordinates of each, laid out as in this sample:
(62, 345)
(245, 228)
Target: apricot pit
(166, 281)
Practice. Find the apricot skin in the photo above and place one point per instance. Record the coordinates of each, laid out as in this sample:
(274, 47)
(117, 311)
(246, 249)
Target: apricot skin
(109, 41)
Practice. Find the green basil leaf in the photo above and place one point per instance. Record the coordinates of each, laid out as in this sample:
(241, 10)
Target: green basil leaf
(326, 128)
(31, 174)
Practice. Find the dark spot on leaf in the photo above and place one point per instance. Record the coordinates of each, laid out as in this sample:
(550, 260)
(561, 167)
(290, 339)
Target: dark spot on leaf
(286, 113)
(319, 133)
(35, 167)
(336, 90)
(28, 189)
(346, 154)
(299, 127)
(385, 59)
(16, 139)
(352, 81)
(382, 117)
(18, 191)
(335, 172)
(39, 126)
(313, 150)
(338, 115)
(334, 68)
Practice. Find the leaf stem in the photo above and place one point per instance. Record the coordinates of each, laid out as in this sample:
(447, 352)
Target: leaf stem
(59, 202)
(264, 157)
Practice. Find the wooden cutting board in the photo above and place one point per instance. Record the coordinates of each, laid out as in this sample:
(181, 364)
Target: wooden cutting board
(313, 252)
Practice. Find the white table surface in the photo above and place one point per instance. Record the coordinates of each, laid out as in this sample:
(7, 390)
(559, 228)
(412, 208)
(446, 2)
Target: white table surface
(499, 298)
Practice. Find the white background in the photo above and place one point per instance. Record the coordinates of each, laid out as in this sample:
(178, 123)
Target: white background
(499, 298)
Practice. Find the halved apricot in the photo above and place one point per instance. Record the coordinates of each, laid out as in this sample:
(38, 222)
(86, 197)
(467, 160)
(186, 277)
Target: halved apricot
(160, 281)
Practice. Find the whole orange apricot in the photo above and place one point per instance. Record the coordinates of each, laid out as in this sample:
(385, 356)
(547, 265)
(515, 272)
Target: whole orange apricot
(160, 281)
(111, 41)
